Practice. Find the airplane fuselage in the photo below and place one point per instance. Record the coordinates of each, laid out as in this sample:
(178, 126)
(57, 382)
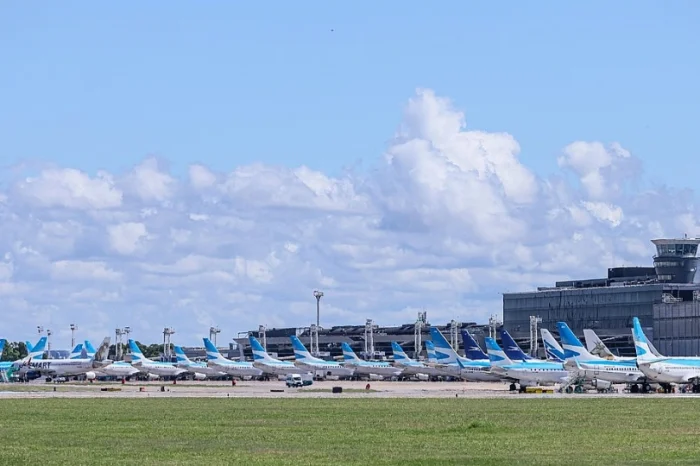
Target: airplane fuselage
(335, 370)
(672, 370)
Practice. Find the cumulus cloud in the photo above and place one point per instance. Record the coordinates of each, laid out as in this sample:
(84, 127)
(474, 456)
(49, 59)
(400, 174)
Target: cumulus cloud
(448, 218)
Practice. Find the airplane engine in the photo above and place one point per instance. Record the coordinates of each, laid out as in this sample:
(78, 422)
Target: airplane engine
(153, 377)
(376, 377)
(198, 376)
(90, 375)
(422, 377)
(601, 384)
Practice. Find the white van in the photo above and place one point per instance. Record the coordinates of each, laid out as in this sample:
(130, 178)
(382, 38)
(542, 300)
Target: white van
(294, 380)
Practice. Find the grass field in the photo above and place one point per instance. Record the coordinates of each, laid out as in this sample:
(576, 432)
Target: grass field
(349, 431)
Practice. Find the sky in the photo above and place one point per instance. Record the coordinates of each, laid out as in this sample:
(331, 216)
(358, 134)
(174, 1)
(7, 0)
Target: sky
(214, 163)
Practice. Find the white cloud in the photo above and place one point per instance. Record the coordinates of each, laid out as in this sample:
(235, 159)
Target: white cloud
(448, 218)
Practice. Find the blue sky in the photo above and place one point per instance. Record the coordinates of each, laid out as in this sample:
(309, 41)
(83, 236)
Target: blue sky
(186, 165)
(97, 85)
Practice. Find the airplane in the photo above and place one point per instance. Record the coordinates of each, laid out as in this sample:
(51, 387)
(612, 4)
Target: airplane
(664, 369)
(78, 352)
(512, 349)
(525, 373)
(121, 369)
(34, 352)
(267, 363)
(200, 370)
(452, 364)
(594, 368)
(306, 361)
(471, 348)
(64, 366)
(234, 368)
(144, 364)
(552, 348)
(411, 366)
(368, 368)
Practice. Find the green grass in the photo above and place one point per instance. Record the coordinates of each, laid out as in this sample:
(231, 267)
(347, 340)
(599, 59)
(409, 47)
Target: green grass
(349, 431)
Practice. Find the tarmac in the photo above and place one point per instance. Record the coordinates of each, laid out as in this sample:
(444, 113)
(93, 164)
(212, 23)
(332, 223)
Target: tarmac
(278, 389)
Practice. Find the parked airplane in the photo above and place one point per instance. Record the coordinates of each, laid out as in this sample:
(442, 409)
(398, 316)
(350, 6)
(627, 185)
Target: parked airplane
(15, 367)
(144, 364)
(471, 348)
(664, 369)
(525, 373)
(267, 363)
(241, 369)
(306, 361)
(409, 365)
(552, 348)
(511, 348)
(64, 366)
(368, 368)
(121, 369)
(450, 363)
(594, 368)
(200, 369)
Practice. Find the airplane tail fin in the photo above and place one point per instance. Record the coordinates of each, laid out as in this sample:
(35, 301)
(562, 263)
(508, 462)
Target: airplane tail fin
(180, 355)
(551, 347)
(213, 353)
(430, 351)
(29, 346)
(2, 346)
(259, 353)
(136, 353)
(399, 353)
(348, 354)
(37, 351)
(641, 344)
(573, 348)
(89, 349)
(443, 350)
(471, 347)
(300, 351)
(103, 351)
(77, 352)
(511, 347)
(497, 356)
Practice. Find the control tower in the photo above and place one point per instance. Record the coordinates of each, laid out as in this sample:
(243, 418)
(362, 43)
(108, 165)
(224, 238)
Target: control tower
(675, 260)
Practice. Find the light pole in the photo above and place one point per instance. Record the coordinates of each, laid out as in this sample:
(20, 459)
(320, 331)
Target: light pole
(48, 339)
(318, 295)
(73, 328)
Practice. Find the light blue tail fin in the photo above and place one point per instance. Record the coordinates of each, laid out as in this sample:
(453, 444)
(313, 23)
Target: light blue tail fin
(349, 354)
(471, 347)
(37, 351)
(259, 353)
(641, 344)
(213, 354)
(3, 342)
(29, 346)
(430, 352)
(444, 352)
(551, 347)
(180, 354)
(136, 354)
(497, 356)
(573, 348)
(77, 352)
(300, 351)
(511, 347)
(399, 354)
(89, 349)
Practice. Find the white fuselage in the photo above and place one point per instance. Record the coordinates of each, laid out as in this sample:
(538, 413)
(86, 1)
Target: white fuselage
(527, 376)
(676, 370)
(117, 370)
(417, 368)
(161, 369)
(368, 368)
(277, 368)
(202, 369)
(601, 370)
(335, 370)
(236, 369)
(61, 367)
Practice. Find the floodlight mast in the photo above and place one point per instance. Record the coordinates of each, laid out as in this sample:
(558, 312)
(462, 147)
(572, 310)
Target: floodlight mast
(73, 328)
(315, 347)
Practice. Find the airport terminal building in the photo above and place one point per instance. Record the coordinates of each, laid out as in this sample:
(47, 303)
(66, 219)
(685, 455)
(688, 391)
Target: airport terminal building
(665, 297)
